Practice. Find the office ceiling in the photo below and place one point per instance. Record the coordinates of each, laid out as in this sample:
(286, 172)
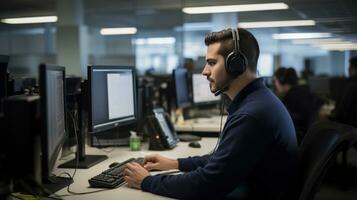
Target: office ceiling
(335, 16)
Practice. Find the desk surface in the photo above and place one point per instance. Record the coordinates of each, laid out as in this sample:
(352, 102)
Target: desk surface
(118, 154)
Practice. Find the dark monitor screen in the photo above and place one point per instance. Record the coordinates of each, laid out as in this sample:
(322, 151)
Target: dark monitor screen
(52, 90)
(112, 97)
(201, 90)
(181, 87)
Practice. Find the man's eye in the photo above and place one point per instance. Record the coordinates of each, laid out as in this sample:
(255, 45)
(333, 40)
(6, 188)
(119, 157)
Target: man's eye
(211, 63)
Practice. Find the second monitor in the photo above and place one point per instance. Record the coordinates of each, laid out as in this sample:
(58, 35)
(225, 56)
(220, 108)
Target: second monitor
(112, 99)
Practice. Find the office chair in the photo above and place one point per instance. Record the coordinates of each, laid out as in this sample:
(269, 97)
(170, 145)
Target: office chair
(318, 151)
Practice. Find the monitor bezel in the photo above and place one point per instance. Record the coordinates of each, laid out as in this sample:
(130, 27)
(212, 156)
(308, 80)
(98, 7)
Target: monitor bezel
(189, 101)
(114, 123)
(48, 161)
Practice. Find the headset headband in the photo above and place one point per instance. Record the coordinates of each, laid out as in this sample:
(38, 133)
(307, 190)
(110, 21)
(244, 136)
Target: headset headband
(235, 40)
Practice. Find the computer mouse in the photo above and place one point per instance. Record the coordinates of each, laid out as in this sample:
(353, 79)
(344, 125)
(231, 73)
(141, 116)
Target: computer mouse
(113, 164)
(194, 145)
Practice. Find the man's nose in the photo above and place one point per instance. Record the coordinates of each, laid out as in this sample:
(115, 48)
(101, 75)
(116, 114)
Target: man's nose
(205, 71)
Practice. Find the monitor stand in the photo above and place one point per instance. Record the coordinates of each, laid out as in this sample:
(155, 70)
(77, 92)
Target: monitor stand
(84, 161)
(56, 183)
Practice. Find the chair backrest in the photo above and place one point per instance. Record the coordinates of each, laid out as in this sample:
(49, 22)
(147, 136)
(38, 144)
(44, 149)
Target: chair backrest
(318, 151)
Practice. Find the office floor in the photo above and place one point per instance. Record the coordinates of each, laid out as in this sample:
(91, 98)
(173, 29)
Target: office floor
(331, 191)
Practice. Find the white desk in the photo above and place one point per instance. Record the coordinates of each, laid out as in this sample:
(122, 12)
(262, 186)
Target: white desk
(210, 125)
(119, 154)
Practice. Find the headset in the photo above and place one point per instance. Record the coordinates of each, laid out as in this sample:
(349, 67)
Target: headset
(235, 64)
(236, 61)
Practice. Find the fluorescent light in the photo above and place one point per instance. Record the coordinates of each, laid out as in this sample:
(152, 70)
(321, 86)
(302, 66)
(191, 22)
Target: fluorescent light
(318, 41)
(288, 36)
(30, 20)
(164, 40)
(235, 8)
(271, 24)
(155, 41)
(198, 26)
(339, 46)
(118, 31)
(346, 48)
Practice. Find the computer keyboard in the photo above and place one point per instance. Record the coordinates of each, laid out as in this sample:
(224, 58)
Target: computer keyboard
(113, 176)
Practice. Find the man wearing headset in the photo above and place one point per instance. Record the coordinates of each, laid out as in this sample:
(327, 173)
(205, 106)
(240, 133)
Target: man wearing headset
(256, 157)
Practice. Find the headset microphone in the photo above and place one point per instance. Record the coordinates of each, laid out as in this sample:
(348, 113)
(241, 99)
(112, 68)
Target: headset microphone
(224, 88)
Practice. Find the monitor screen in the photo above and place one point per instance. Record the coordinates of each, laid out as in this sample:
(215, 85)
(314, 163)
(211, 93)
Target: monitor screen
(201, 90)
(181, 88)
(52, 90)
(112, 97)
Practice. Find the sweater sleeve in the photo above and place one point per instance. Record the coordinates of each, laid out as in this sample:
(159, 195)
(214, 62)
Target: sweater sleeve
(243, 144)
(192, 163)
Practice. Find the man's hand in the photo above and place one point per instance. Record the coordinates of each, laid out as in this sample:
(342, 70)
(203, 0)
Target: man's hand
(134, 174)
(159, 162)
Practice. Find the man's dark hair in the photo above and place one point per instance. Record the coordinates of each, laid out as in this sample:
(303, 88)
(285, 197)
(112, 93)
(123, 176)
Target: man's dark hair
(247, 44)
(353, 62)
(286, 76)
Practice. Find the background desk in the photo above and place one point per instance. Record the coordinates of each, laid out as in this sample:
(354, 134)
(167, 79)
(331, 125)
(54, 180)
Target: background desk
(119, 154)
(208, 125)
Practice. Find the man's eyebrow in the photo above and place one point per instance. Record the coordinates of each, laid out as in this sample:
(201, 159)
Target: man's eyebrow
(211, 60)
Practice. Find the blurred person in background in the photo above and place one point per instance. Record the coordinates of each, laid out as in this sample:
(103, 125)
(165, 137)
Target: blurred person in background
(302, 105)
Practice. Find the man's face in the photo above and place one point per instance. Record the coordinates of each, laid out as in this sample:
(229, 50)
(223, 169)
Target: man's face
(214, 68)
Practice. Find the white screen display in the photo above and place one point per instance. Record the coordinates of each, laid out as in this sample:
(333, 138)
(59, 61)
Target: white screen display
(120, 95)
(201, 90)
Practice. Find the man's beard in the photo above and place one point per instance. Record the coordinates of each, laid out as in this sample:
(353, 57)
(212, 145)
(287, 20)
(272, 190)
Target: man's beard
(214, 86)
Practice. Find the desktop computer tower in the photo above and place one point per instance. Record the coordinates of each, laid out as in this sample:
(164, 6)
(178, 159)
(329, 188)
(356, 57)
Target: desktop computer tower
(21, 137)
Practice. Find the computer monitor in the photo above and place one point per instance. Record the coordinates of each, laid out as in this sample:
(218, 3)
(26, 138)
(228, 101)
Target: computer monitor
(201, 90)
(112, 97)
(53, 121)
(181, 88)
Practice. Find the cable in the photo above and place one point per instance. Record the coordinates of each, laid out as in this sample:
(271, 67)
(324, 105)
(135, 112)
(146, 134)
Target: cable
(71, 193)
(77, 156)
(220, 127)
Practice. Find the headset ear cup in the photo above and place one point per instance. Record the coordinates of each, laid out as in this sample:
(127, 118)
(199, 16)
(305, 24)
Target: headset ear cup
(237, 64)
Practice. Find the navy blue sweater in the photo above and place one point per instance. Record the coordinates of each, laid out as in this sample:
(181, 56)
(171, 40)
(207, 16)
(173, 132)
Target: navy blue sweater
(256, 157)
